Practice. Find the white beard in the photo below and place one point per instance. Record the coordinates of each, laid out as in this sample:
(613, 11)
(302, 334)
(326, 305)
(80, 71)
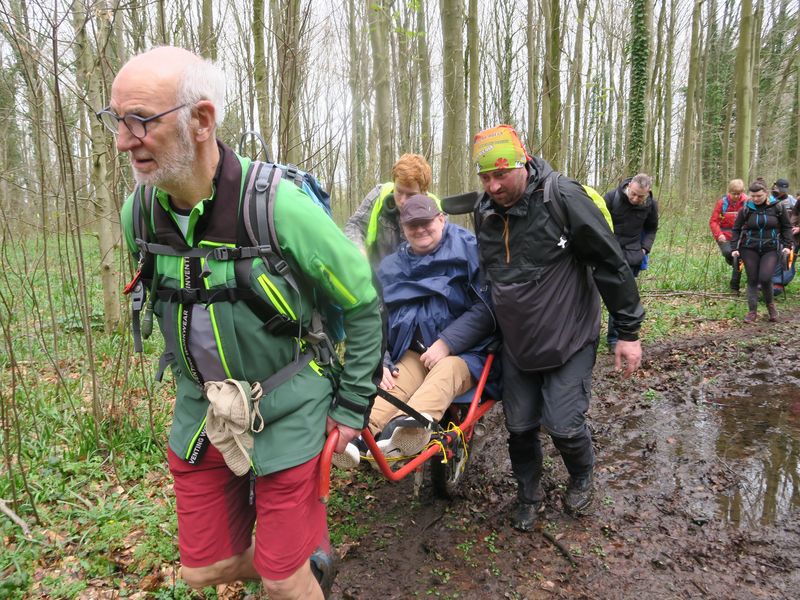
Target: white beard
(175, 166)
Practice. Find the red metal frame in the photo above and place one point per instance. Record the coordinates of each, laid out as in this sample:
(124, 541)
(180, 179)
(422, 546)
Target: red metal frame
(476, 410)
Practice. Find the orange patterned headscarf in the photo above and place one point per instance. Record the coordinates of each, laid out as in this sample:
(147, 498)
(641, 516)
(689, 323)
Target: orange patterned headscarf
(498, 148)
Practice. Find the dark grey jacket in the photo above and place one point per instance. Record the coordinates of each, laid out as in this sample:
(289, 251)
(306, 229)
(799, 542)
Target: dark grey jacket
(634, 226)
(545, 287)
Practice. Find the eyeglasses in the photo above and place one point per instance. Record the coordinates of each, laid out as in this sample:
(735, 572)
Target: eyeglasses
(136, 125)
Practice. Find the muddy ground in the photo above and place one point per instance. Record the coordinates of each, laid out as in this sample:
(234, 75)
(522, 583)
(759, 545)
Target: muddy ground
(697, 491)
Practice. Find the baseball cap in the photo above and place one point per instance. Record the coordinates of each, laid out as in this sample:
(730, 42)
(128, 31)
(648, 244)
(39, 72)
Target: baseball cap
(419, 207)
(782, 184)
(498, 148)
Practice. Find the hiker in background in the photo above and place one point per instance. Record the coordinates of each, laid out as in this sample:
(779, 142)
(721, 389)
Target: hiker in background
(439, 326)
(374, 226)
(794, 218)
(785, 270)
(721, 223)
(780, 191)
(634, 212)
(164, 111)
(761, 233)
(544, 275)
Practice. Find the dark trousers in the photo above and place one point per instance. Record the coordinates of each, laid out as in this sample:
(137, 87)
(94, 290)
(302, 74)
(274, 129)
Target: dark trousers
(759, 268)
(557, 399)
(736, 275)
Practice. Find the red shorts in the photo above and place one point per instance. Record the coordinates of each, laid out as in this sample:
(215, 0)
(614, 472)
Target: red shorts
(215, 519)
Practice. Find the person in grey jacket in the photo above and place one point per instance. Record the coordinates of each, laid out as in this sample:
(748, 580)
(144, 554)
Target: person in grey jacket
(374, 227)
(634, 212)
(544, 280)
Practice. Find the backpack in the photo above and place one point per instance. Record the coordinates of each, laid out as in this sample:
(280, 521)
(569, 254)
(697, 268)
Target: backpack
(555, 203)
(257, 221)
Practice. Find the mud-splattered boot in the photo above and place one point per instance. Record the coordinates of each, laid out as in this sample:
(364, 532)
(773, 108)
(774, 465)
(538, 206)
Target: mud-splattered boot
(525, 515)
(528, 507)
(773, 312)
(579, 494)
(751, 317)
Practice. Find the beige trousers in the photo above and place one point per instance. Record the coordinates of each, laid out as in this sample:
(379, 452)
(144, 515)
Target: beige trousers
(430, 392)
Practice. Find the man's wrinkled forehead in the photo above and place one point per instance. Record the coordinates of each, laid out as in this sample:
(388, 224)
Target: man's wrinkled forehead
(152, 74)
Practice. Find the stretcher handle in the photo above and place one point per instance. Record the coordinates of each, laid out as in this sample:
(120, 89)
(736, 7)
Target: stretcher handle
(325, 465)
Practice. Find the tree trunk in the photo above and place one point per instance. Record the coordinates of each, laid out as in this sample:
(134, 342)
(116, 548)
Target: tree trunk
(639, 59)
(358, 142)
(655, 100)
(743, 71)
(208, 41)
(755, 70)
(551, 84)
(261, 73)
(161, 23)
(399, 47)
(687, 149)
(577, 170)
(89, 78)
(378, 28)
(474, 69)
(794, 132)
(666, 137)
(532, 36)
(426, 138)
(288, 40)
(454, 159)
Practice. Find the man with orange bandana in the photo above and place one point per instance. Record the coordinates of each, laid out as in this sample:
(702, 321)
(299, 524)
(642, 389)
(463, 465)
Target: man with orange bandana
(544, 278)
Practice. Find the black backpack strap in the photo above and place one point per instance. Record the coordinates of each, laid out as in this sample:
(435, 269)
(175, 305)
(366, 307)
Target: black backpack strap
(140, 218)
(555, 203)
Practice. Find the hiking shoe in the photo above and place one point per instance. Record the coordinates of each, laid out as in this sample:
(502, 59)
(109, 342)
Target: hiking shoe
(408, 437)
(324, 568)
(525, 515)
(349, 459)
(579, 494)
(751, 317)
(773, 312)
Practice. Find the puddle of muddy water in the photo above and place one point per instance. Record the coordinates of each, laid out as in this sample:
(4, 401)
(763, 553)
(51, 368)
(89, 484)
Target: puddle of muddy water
(733, 459)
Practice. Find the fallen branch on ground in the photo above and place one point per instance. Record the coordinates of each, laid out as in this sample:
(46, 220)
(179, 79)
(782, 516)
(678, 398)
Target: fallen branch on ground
(14, 517)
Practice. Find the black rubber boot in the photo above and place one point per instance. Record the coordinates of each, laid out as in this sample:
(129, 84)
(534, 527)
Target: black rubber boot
(578, 456)
(324, 568)
(580, 493)
(525, 451)
(525, 515)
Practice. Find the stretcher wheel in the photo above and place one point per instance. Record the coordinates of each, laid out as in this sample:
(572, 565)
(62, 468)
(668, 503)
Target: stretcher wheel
(446, 476)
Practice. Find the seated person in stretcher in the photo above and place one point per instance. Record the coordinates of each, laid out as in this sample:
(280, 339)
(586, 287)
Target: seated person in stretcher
(440, 324)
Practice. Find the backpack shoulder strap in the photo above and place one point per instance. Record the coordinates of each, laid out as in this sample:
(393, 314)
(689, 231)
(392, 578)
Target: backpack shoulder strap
(140, 219)
(142, 203)
(554, 202)
(725, 204)
(258, 210)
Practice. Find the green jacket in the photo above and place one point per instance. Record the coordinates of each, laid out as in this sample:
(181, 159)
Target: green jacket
(227, 340)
